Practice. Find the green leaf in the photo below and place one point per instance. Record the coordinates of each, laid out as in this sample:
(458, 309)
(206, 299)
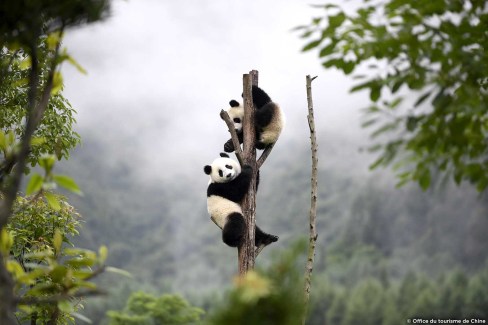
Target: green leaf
(57, 83)
(422, 98)
(375, 93)
(35, 184)
(68, 183)
(57, 240)
(337, 20)
(311, 45)
(118, 271)
(47, 162)
(76, 64)
(348, 67)
(53, 40)
(65, 306)
(52, 200)
(327, 50)
(81, 317)
(103, 252)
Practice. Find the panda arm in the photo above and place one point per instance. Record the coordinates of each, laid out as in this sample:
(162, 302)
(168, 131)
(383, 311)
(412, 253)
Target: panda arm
(265, 114)
(229, 145)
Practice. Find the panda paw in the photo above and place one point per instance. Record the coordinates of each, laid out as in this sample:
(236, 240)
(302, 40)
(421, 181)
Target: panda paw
(264, 239)
(229, 146)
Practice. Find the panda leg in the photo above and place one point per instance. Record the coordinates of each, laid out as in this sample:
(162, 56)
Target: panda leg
(229, 145)
(233, 230)
(263, 239)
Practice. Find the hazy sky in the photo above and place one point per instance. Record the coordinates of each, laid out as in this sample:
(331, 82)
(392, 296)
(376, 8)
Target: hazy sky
(159, 72)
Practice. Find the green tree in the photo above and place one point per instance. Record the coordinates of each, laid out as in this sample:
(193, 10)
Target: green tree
(477, 296)
(335, 314)
(365, 304)
(30, 39)
(55, 134)
(425, 66)
(272, 296)
(143, 308)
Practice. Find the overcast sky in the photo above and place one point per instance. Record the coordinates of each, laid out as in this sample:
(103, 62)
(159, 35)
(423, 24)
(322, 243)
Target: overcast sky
(159, 72)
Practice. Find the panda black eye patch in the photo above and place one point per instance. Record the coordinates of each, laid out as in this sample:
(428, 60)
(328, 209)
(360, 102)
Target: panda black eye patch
(228, 166)
(220, 173)
(237, 120)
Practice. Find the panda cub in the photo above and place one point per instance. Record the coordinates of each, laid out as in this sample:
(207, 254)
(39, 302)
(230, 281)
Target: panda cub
(227, 187)
(269, 120)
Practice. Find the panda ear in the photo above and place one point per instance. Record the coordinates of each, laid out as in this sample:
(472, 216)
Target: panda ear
(224, 155)
(234, 103)
(207, 169)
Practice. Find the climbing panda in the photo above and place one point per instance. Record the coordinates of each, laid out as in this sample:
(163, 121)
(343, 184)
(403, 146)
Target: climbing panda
(227, 187)
(269, 120)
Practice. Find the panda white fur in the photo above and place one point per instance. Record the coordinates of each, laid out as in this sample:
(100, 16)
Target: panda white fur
(227, 187)
(269, 120)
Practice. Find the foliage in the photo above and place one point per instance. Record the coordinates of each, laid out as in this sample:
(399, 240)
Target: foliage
(274, 296)
(55, 134)
(147, 309)
(23, 21)
(415, 53)
(370, 303)
(49, 280)
(46, 280)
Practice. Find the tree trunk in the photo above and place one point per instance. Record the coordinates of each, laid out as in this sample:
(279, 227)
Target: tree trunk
(246, 252)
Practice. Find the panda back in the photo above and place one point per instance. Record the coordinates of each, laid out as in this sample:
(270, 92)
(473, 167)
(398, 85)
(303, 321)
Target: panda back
(270, 123)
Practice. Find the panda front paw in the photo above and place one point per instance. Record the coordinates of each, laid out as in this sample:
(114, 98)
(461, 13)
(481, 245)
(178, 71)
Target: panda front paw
(229, 146)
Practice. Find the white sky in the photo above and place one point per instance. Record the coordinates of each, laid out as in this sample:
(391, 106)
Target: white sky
(159, 72)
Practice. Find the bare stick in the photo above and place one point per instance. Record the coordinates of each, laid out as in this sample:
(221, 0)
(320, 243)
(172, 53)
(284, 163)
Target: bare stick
(264, 155)
(313, 202)
(233, 135)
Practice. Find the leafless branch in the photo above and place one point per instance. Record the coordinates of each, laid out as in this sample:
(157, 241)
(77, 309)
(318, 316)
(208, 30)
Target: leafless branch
(313, 200)
(264, 155)
(233, 134)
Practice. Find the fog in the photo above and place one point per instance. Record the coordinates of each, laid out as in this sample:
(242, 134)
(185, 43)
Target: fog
(159, 72)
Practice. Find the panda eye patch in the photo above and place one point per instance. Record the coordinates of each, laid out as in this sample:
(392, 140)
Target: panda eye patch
(237, 120)
(220, 173)
(228, 166)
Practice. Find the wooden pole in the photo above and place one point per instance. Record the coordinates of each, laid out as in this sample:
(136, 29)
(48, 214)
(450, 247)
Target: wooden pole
(246, 252)
(313, 201)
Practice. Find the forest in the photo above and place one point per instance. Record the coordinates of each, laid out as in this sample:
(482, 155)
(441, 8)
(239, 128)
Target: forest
(103, 211)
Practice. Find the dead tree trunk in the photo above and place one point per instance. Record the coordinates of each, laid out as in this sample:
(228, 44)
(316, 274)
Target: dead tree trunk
(313, 201)
(246, 252)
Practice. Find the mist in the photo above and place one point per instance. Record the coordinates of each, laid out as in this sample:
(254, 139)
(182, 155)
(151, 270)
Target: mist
(160, 72)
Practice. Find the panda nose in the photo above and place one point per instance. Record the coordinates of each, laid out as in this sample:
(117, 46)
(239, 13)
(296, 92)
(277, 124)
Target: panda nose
(229, 175)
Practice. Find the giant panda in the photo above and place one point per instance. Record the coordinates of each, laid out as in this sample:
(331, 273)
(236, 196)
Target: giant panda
(269, 120)
(227, 187)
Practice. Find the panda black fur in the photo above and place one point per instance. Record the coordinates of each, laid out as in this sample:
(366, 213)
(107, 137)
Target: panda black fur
(269, 120)
(227, 187)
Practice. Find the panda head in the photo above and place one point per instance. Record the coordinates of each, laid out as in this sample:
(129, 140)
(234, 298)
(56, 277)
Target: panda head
(223, 169)
(236, 114)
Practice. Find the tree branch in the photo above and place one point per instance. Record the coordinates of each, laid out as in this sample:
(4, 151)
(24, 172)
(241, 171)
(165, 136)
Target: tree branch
(313, 201)
(264, 155)
(233, 134)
